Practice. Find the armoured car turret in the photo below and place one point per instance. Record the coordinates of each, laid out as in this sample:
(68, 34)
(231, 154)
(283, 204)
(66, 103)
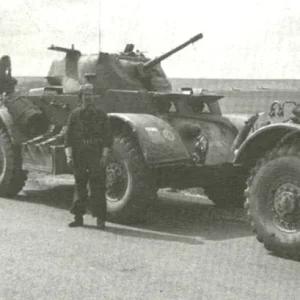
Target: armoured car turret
(128, 70)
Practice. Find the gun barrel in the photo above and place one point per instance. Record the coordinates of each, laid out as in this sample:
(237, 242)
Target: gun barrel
(148, 65)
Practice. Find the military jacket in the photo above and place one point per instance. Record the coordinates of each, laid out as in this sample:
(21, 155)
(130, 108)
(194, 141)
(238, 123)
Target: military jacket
(88, 125)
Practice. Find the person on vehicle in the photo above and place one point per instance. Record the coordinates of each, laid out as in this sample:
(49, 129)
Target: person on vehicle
(88, 141)
(7, 82)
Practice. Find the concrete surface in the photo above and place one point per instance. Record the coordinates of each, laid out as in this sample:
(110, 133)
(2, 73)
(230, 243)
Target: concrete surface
(186, 250)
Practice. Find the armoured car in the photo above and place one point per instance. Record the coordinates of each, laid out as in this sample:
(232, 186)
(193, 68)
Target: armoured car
(162, 138)
(272, 154)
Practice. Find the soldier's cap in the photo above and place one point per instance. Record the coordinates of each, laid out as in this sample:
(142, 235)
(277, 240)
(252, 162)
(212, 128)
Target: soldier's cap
(86, 89)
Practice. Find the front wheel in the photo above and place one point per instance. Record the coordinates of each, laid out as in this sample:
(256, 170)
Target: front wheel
(273, 200)
(130, 188)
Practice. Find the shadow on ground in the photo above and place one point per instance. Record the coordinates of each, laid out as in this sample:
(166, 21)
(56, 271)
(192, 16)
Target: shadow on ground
(195, 219)
(141, 233)
(182, 220)
(56, 196)
(285, 257)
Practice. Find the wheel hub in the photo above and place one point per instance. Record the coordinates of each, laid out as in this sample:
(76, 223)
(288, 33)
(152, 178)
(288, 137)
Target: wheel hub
(286, 205)
(116, 181)
(113, 172)
(285, 201)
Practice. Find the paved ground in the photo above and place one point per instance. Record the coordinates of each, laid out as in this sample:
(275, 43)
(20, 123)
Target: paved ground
(186, 250)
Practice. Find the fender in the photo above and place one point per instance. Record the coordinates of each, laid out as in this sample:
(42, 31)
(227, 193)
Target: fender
(158, 140)
(218, 131)
(7, 122)
(263, 140)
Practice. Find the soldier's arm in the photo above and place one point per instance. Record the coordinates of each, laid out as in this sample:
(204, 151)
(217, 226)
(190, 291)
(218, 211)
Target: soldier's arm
(69, 136)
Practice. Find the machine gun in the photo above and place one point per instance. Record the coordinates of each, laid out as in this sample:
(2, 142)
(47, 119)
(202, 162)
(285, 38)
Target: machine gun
(71, 50)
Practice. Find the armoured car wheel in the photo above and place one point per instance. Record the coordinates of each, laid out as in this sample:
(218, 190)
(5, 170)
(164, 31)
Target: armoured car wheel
(12, 177)
(273, 200)
(227, 189)
(130, 190)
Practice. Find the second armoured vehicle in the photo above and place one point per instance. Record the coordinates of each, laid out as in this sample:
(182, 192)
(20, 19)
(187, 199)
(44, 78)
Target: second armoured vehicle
(272, 153)
(161, 138)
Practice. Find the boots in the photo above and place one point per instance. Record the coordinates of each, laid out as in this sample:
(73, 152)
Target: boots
(78, 221)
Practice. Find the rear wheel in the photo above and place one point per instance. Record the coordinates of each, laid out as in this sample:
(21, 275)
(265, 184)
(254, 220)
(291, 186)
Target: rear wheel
(130, 188)
(273, 200)
(12, 177)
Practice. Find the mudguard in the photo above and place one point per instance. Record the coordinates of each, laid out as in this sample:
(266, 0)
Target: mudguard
(7, 121)
(218, 131)
(262, 140)
(158, 140)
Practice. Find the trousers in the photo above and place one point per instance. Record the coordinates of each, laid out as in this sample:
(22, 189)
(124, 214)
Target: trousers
(89, 171)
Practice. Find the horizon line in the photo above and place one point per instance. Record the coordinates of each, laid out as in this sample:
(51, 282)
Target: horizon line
(203, 78)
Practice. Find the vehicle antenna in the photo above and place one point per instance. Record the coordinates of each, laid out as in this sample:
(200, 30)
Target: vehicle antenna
(99, 26)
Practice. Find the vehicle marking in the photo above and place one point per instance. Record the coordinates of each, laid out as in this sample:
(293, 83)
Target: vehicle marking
(168, 135)
(154, 135)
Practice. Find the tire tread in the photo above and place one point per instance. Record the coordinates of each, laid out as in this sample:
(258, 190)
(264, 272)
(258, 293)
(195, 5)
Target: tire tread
(15, 178)
(291, 149)
(144, 192)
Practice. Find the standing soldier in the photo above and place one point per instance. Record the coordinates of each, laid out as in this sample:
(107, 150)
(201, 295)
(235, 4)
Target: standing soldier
(88, 141)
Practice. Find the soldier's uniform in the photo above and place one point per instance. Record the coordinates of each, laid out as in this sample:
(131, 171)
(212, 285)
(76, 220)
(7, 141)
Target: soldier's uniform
(87, 134)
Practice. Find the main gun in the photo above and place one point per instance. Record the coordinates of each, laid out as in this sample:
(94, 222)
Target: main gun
(153, 62)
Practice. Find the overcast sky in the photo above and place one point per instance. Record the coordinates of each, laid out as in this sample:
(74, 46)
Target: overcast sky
(242, 39)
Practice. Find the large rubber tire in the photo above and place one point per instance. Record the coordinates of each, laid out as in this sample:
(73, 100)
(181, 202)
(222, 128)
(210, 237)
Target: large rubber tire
(278, 170)
(227, 188)
(139, 190)
(12, 177)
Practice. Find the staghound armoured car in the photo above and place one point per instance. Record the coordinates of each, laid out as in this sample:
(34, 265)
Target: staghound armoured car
(161, 138)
